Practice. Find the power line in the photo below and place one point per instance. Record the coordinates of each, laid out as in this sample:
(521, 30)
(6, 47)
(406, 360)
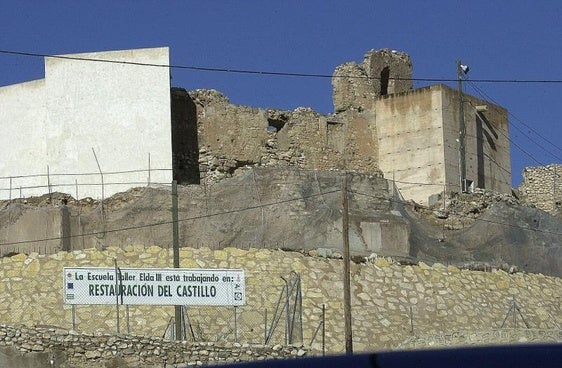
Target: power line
(485, 96)
(272, 73)
(384, 198)
(171, 222)
(512, 141)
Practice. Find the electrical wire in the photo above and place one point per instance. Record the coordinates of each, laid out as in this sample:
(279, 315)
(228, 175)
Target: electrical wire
(261, 206)
(486, 97)
(272, 73)
(95, 233)
(519, 146)
(241, 71)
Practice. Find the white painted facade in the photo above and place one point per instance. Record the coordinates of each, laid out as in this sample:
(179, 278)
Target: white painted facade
(54, 125)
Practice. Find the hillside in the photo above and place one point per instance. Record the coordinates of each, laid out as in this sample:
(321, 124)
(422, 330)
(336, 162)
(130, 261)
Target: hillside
(298, 210)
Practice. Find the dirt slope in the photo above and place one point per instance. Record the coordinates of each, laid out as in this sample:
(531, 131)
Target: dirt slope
(298, 210)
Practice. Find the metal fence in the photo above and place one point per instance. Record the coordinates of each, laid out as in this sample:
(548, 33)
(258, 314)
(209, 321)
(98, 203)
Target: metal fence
(280, 322)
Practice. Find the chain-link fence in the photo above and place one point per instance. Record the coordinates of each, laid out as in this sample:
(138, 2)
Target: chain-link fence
(277, 322)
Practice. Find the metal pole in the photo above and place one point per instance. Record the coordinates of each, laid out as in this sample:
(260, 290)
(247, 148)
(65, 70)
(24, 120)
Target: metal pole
(462, 131)
(128, 319)
(323, 329)
(10, 202)
(300, 309)
(102, 184)
(287, 301)
(117, 292)
(235, 326)
(265, 327)
(346, 268)
(411, 320)
(176, 251)
(49, 184)
(554, 189)
(514, 314)
(148, 168)
(73, 317)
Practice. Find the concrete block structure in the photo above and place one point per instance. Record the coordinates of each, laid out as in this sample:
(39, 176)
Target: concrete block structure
(418, 134)
(102, 102)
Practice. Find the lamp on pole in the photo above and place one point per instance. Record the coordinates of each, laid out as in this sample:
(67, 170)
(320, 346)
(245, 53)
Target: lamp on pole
(462, 70)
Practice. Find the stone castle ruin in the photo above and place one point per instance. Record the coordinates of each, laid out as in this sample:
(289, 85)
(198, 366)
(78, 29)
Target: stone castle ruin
(98, 128)
(395, 140)
(259, 183)
(380, 126)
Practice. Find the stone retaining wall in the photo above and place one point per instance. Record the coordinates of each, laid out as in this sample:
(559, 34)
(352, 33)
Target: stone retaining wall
(62, 348)
(387, 298)
(486, 337)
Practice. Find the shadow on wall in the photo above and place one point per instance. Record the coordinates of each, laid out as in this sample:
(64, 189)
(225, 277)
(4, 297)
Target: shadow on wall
(11, 357)
(185, 144)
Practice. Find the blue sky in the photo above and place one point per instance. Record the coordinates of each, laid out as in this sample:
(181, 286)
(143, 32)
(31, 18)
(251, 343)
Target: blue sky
(514, 40)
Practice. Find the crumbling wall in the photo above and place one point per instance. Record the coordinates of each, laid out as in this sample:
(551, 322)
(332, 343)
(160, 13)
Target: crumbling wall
(382, 72)
(231, 137)
(542, 186)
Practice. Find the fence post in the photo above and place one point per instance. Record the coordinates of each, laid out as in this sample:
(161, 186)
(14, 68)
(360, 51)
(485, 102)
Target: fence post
(323, 329)
(66, 230)
(73, 317)
(411, 320)
(118, 291)
(128, 321)
(102, 187)
(265, 327)
(149, 169)
(235, 326)
(49, 185)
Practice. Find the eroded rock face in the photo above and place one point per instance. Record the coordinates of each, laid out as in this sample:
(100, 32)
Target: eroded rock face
(382, 72)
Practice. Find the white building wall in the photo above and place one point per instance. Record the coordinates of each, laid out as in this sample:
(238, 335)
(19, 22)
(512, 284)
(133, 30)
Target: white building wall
(120, 111)
(22, 113)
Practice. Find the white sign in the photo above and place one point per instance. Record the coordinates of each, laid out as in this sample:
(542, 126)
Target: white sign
(154, 286)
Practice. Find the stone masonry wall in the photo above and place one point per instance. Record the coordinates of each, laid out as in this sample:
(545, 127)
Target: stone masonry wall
(230, 137)
(55, 347)
(357, 86)
(542, 186)
(387, 298)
